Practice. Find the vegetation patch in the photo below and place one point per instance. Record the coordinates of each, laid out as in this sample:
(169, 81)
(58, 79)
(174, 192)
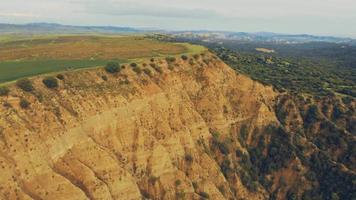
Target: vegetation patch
(4, 91)
(25, 84)
(112, 67)
(24, 103)
(50, 82)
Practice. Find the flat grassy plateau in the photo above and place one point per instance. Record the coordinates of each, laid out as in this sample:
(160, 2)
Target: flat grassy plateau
(39, 55)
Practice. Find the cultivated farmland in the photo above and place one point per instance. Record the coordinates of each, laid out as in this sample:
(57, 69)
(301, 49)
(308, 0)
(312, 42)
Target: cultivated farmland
(32, 56)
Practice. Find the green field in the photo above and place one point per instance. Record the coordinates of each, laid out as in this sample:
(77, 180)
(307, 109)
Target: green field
(29, 56)
(12, 70)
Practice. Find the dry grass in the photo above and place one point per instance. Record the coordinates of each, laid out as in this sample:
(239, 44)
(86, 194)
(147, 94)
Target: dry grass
(86, 47)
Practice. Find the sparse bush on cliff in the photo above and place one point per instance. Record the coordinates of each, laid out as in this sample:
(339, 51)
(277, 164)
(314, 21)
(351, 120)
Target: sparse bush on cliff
(133, 65)
(178, 182)
(24, 103)
(171, 67)
(105, 78)
(112, 67)
(7, 104)
(137, 69)
(153, 179)
(158, 69)
(170, 59)
(147, 71)
(4, 91)
(50, 82)
(191, 61)
(25, 84)
(188, 157)
(60, 76)
(184, 57)
(195, 56)
(204, 195)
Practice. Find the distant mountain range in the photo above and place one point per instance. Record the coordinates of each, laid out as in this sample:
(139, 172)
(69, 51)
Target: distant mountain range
(52, 28)
(214, 36)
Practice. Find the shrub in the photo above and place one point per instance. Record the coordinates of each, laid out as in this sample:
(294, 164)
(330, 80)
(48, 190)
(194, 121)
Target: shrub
(170, 59)
(60, 76)
(25, 84)
(133, 65)
(24, 103)
(184, 57)
(50, 82)
(195, 185)
(4, 91)
(177, 182)
(171, 67)
(204, 195)
(7, 104)
(153, 179)
(147, 71)
(188, 157)
(152, 59)
(158, 69)
(191, 61)
(196, 56)
(112, 67)
(137, 69)
(105, 78)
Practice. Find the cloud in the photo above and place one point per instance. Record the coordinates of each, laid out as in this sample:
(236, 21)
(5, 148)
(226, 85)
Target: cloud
(18, 14)
(120, 8)
(302, 16)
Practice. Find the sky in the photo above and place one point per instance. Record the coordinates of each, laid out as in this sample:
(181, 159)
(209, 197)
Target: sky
(320, 17)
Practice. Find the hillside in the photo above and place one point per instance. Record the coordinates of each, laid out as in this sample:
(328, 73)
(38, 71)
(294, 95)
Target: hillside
(184, 128)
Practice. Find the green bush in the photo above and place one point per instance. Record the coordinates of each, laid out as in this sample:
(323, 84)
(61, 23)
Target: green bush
(25, 84)
(112, 67)
(133, 65)
(24, 103)
(4, 91)
(184, 57)
(50, 82)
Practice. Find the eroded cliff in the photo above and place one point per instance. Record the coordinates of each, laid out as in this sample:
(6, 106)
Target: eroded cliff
(181, 131)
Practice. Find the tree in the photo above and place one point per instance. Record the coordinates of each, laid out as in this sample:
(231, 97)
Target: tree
(4, 91)
(112, 67)
(50, 82)
(24, 103)
(25, 84)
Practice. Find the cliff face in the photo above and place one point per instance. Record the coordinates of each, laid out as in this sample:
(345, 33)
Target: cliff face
(119, 139)
(182, 133)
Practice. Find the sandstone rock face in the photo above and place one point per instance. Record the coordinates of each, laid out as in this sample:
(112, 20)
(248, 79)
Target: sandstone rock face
(132, 136)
